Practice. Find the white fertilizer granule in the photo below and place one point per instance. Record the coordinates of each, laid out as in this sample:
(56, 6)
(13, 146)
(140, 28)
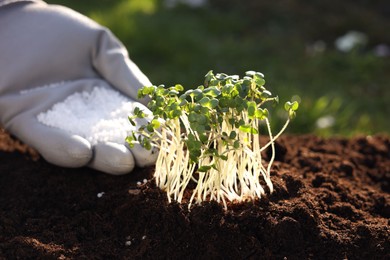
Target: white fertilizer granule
(100, 194)
(99, 116)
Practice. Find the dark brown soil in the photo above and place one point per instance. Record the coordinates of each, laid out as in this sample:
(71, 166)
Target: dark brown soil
(331, 201)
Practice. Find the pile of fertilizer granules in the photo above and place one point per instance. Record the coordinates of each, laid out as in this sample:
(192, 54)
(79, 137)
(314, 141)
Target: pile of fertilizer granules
(99, 116)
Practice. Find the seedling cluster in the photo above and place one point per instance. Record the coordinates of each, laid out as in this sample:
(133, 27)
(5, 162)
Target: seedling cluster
(209, 137)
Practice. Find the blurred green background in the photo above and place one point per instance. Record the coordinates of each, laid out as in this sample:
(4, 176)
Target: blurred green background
(344, 89)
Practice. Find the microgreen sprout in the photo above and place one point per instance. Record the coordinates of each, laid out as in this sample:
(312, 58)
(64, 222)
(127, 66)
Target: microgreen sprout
(210, 137)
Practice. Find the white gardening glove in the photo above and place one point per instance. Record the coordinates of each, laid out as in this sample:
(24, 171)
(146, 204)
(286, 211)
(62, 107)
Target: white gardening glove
(48, 53)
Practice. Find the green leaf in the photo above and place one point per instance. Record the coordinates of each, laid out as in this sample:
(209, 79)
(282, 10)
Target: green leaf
(214, 103)
(221, 76)
(141, 114)
(132, 122)
(234, 92)
(197, 108)
(258, 80)
(197, 94)
(159, 99)
(136, 110)
(223, 157)
(146, 143)
(248, 129)
(250, 73)
(204, 101)
(239, 123)
(208, 77)
(183, 102)
(294, 106)
(200, 129)
(146, 91)
(251, 108)
(243, 89)
(224, 102)
(204, 168)
(155, 123)
(201, 119)
(260, 74)
(173, 92)
(212, 92)
(261, 114)
(130, 141)
(232, 135)
(209, 103)
(266, 94)
(176, 113)
(287, 105)
(192, 117)
(227, 89)
(193, 144)
(238, 103)
(150, 128)
(203, 138)
(194, 156)
(191, 138)
(179, 87)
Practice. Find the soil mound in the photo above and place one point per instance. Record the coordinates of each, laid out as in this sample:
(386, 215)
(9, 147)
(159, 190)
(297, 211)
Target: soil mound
(331, 201)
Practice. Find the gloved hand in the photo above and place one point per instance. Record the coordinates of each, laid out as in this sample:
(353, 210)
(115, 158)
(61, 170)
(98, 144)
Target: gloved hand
(48, 53)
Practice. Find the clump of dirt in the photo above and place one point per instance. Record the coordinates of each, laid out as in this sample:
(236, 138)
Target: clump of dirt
(331, 201)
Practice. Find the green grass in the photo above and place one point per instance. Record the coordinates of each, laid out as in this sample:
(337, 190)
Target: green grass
(181, 44)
